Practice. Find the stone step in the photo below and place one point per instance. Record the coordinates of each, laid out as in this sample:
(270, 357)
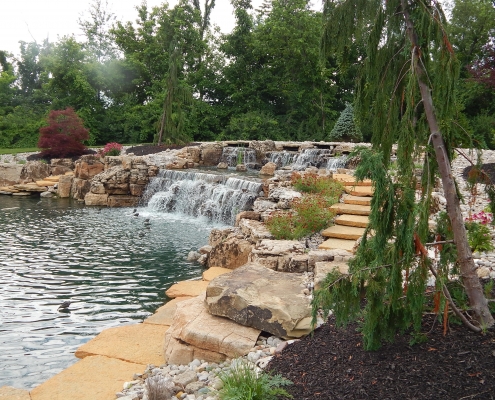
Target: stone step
(53, 178)
(361, 221)
(45, 183)
(341, 208)
(92, 378)
(343, 232)
(11, 393)
(349, 180)
(138, 343)
(341, 244)
(359, 200)
(186, 288)
(165, 314)
(362, 191)
(213, 272)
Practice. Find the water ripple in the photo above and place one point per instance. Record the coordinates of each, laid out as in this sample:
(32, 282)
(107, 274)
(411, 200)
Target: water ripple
(111, 267)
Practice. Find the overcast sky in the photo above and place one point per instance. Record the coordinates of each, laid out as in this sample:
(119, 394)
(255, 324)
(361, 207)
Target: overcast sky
(30, 20)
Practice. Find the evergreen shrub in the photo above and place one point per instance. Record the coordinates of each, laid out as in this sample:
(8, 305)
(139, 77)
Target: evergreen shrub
(345, 129)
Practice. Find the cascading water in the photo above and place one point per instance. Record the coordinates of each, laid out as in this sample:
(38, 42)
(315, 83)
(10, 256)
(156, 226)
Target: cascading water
(282, 158)
(238, 155)
(336, 162)
(217, 198)
(311, 158)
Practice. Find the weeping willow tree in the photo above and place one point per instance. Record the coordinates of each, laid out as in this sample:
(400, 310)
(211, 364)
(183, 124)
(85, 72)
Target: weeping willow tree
(171, 128)
(406, 92)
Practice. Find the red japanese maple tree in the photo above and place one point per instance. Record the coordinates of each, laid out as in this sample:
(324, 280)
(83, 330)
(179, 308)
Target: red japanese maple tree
(64, 134)
(483, 69)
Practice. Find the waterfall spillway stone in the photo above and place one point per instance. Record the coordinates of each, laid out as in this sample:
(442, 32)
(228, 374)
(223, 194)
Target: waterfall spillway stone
(312, 158)
(217, 198)
(238, 155)
(336, 162)
(282, 158)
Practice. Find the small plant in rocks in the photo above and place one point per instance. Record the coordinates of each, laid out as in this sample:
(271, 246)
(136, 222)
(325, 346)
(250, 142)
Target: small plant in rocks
(245, 381)
(313, 183)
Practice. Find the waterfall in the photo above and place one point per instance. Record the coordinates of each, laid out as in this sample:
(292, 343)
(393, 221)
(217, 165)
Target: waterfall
(238, 155)
(217, 198)
(311, 158)
(336, 162)
(282, 158)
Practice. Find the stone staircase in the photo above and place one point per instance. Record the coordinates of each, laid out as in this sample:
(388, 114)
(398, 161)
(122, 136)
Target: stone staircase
(352, 215)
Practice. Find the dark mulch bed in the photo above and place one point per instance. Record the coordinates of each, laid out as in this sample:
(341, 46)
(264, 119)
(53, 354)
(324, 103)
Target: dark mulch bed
(144, 150)
(333, 365)
(488, 169)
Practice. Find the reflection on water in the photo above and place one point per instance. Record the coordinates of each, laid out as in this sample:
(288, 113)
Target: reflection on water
(111, 265)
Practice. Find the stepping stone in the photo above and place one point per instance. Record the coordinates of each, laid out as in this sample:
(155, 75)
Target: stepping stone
(186, 288)
(349, 180)
(341, 244)
(165, 314)
(45, 183)
(11, 393)
(92, 378)
(359, 200)
(213, 272)
(341, 208)
(138, 343)
(53, 178)
(323, 268)
(343, 232)
(359, 190)
(361, 221)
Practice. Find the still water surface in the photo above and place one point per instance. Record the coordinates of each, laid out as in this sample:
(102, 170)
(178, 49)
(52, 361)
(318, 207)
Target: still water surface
(110, 264)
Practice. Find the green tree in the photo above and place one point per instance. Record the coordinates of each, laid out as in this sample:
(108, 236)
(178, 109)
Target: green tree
(408, 85)
(345, 129)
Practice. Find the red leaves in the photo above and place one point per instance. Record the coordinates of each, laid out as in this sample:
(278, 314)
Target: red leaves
(64, 134)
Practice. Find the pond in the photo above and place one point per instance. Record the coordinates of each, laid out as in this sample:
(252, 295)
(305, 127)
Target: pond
(110, 264)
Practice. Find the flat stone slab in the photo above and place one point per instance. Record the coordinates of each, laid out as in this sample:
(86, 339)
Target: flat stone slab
(186, 288)
(139, 343)
(165, 314)
(213, 272)
(53, 178)
(11, 393)
(349, 180)
(352, 220)
(343, 232)
(253, 295)
(92, 378)
(359, 200)
(353, 209)
(10, 189)
(342, 244)
(33, 187)
(45, 183)
(362, 191)
(217, 337)
(22, 194)
(322, 269)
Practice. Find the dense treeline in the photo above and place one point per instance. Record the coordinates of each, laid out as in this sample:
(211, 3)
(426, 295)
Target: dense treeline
(171, 72)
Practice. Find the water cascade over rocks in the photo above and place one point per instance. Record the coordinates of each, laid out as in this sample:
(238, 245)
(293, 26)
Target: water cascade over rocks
(233, 156)
(282, 158)
(312, 158)
(216, 197)
(336, 162)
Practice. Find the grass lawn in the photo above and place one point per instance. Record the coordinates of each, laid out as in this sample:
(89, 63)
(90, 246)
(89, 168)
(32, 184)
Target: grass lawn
(16, 151)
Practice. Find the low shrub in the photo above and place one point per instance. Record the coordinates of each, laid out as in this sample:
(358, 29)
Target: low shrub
(311, 213)
(245, 381)
(314, 183)
(111, 149)
(479, 236)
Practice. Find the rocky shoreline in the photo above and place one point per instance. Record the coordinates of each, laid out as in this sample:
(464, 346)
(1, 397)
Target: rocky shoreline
(196, 349)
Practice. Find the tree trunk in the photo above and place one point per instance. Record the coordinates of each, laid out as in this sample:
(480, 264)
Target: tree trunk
(474, 291)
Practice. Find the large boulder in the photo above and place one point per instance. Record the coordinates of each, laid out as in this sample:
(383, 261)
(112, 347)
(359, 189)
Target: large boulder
(255, 296)
(254, 230)
(60, 166)
(210, 154)
(80, 187)
(230, 253)
(281, 255)
(92, 199)
(34, 171)
(10, 173)
(195, 333)
(268, 169)
(88, 166)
